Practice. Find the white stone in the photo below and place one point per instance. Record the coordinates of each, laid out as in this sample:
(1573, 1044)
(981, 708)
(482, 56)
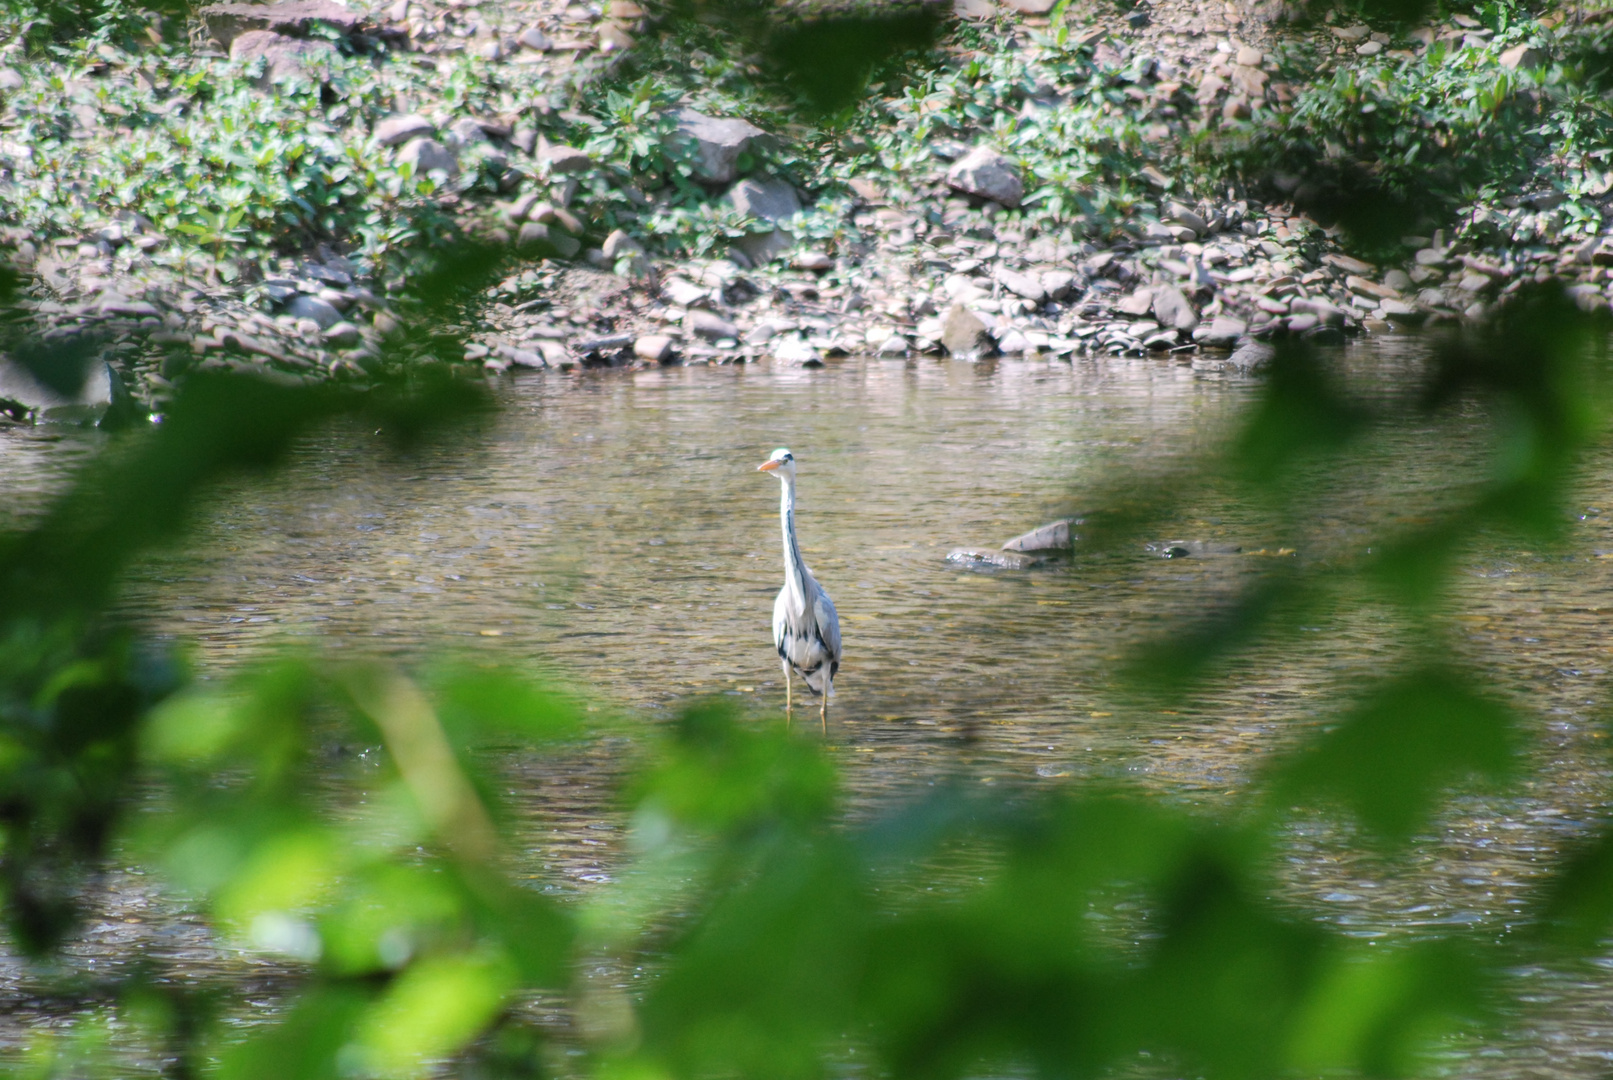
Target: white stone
(985, 173)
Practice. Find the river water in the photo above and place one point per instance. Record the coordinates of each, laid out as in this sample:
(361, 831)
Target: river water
(610, 530)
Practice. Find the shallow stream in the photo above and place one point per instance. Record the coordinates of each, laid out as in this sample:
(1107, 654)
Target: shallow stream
(611, 529)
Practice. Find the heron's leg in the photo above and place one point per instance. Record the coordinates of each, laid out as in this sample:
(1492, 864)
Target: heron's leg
(787, 695)
(823, 710)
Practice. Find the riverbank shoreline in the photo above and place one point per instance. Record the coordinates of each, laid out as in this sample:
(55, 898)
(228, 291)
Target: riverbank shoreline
(1057, 183)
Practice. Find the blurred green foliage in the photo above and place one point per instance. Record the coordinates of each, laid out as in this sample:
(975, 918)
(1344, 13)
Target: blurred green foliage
(1081, 930)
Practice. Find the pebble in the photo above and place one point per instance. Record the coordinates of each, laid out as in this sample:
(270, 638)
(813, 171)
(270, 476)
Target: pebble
(656, 348)
(710, 326)
(321, 312)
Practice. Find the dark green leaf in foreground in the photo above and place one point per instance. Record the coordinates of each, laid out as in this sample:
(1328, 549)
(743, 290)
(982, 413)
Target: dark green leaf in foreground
(1577, 907)
(1392, 758)
(828, 60)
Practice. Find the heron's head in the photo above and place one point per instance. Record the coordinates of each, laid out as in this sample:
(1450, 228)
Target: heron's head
(781, 464)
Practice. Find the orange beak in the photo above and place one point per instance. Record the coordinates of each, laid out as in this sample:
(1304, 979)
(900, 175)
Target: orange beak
(768, 466)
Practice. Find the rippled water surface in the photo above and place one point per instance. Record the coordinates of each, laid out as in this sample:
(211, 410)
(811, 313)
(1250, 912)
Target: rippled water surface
(613, 530)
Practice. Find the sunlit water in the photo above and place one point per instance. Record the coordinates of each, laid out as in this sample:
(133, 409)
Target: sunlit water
(612, 531)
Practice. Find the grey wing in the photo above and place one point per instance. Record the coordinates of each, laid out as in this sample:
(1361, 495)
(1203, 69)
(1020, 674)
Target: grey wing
(823, 609)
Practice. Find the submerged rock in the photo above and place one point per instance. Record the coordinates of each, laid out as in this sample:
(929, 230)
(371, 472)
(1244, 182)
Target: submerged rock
(975, 559)
(1054, 536)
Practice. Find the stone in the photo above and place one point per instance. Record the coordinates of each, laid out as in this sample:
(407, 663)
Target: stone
(986, 174)
(1248, 56)
(716, 143)
(533, 38)
(10, 79)
(656, 348)
(1430, 257)
(1054, 536)
(1352, 33)
(973, 559)
(342, 335)
(1138, 303)
(895, 345)
(284, 57)
(770, 201)
(561, 159)
(1299, 324)
(465, 132)
(293, 18)
(964, 335)
(619, 245)
(796, 350)
(1402, 313)
(1252, 356)
(1523, 56)
(1022, 285)
(1475, 282)
(1348, 264)
(428, 156)
(814, 262)
(708, 325)
(1031, 7)
(1013, 343)
(1368, 48)
(1173, 310)
(1187, 218)
(1324, 312)
(542, 241)
(685, 293)
(1058, 284)
(1364, 287)
(401, 128)
(1222, 332)
(1398, 280)
(304, 306)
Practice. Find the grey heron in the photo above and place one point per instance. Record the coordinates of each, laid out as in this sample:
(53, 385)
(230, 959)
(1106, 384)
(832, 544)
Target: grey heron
(806, 629)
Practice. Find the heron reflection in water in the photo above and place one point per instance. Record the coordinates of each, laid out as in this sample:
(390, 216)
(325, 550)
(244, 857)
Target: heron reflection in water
(806, 629)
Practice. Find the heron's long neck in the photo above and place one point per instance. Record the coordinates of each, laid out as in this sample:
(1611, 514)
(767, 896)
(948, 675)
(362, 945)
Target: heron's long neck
(793, 568)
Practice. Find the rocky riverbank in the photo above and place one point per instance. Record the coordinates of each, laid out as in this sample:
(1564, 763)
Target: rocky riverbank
(1046, 187)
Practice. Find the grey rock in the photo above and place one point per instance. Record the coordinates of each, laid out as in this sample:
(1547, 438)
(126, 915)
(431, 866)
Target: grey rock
(562, 159)
(534, 38)
(986, 174)
(773, 201)
(716, 143)
(1399, 280)
(1327, 313)
(1054, 536)
(285, 57)
(1022, 285)
(1058, 284)
(294, 18)
(342, 335)
(1301, 322)
(1402, 313)
(1183, 549)
(543, 241)
(770, 201)
(655, 348)
(10, 79)
(796, 350)
(974, 559)
(1013, 343)
(618, 245)
(964, 335)
(427, 156)
(895, 345)
(816, 262)
(1252, 356)
(303, 306)
(524, 139)
(708, 325)
(464, 132)
(1172, 309)
(759, 249)
(1222, 332)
